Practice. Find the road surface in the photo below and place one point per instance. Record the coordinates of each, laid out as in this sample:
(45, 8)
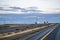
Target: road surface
(49, 33)
(55, 35)
(41, 35)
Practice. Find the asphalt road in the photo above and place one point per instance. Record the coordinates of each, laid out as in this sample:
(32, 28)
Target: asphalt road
(25, 33)
(42, 33)
(55, 35)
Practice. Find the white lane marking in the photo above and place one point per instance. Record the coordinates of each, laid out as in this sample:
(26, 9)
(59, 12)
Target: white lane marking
(48, 33)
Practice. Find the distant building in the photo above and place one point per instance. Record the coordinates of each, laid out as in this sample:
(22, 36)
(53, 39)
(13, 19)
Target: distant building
(45, 22)
(36, 23)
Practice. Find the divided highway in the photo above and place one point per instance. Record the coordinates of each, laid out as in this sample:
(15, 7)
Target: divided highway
(39, 34)
(54, 35)
(42, 34)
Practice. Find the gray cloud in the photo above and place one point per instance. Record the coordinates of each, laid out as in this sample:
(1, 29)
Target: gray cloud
(13, 9)
(34, 9)
(2, 9)
(7, 10)
(30, 9)
(19, 9)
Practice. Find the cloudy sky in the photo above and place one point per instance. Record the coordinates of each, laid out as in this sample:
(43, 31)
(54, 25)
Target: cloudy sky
(44, 10)
(27, 6)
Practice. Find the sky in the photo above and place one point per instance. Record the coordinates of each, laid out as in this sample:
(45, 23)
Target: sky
(26, 11)
(28, 18)
(26, 6)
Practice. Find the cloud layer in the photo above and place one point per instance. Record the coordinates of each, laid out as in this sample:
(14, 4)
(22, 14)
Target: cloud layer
(30, 6)
(19, 10)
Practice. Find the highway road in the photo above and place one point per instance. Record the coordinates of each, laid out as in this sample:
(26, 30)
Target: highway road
(43, 35)
(49, 33)
(55, 35)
